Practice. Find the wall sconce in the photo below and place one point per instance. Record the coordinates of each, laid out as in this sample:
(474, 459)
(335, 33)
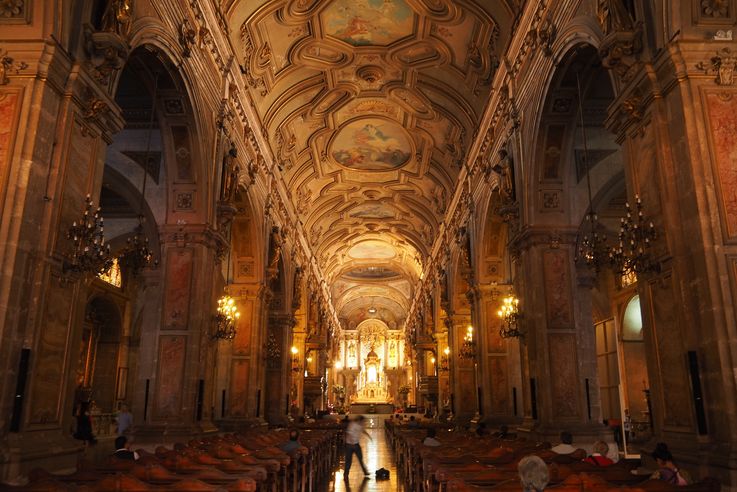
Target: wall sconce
(510, 315)
(444, 360)
(225, 319)
(468, 349)
(295, 359)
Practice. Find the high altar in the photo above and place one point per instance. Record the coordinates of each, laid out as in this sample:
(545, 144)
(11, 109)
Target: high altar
(372, 356)
(372, 383)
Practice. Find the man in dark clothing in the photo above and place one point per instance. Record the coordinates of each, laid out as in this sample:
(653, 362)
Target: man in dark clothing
(293, 443)
(122, 449)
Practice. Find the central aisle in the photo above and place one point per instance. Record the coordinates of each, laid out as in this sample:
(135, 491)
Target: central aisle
(377, 453)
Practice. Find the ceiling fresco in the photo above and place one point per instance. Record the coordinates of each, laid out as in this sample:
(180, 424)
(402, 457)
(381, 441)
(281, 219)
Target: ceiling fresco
(369, 107)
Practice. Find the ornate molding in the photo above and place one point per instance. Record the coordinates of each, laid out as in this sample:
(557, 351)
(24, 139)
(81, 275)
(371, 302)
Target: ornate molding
(723, 65)
(107, 52)
(187, 37)
(12, 9)
(8, 64)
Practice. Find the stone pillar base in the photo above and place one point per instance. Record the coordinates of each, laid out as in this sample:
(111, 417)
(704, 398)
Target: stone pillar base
(49, 450)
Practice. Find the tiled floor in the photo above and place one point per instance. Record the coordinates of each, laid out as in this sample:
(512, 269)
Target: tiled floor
(376, 454)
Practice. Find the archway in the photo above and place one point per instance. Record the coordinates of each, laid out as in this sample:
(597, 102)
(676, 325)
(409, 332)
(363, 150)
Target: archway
(99, 382)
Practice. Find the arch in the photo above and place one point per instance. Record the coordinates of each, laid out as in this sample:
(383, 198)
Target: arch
(101, 338)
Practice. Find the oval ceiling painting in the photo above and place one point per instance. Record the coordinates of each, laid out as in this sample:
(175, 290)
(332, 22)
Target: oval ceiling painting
(371, 144)
(372, 211)
(372, 273)
(372, 249)
(368, 22)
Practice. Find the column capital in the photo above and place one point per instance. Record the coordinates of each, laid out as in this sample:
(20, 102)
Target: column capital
(182, 234)
(552, 237)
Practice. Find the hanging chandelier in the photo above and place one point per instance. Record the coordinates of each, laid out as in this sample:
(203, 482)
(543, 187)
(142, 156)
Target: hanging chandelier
(510, 315)
(137, 254)
(90, 253)
(468, 348)
(225, 319)
(590, 245)
(636, 234)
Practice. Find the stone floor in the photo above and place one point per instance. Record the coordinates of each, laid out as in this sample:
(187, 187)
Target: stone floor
(377, 453)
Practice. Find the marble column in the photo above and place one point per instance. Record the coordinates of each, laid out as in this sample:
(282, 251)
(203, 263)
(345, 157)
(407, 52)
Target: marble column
(278, 377)
(54, 135)
(559, 342)
(180, 375)
(500, 375)
(679, 140)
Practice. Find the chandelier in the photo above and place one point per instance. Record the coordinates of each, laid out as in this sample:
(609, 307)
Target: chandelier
(90, 253)
(591, 247)
(636, 234)
(225, 319)
(137, 255)
(468, 348)
(510, 315)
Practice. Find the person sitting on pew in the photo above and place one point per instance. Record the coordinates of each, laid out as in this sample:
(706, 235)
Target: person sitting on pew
(667, 469)
(599, 456)
(481, 429)
(533, 473)
(292, 444)
(123, 449)
(413, 423)
(430, 438)
(566, 444)
(502, 433)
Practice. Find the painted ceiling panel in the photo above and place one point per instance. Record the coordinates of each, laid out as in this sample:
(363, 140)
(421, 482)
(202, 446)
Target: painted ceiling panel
(369, 107)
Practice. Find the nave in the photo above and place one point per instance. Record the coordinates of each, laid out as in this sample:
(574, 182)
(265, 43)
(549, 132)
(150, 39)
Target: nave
(460, 460)
(226, 216)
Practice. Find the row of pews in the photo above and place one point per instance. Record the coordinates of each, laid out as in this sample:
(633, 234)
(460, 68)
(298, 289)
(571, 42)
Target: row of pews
(467, 463)
(249, 461)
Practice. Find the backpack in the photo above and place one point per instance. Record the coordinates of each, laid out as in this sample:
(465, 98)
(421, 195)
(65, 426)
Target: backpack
(382, 474)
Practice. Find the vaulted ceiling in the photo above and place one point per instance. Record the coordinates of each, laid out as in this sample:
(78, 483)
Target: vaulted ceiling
(370, 107)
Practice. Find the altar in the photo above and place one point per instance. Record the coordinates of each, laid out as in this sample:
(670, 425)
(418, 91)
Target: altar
(372, 383)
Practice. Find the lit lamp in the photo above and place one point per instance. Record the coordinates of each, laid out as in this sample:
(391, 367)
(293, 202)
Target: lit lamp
(338, 365)
(295, 359)
(510, 315)
(636, 236)
(226, 318)
(444, 359)
(90, 253)
(468, 349)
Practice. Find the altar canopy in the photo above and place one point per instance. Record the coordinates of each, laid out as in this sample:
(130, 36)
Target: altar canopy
(372, 356)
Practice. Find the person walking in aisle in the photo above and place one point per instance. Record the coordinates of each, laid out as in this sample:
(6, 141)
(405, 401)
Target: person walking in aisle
(353, 445)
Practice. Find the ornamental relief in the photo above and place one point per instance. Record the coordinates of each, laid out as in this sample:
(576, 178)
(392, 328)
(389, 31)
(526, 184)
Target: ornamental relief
(15, 12)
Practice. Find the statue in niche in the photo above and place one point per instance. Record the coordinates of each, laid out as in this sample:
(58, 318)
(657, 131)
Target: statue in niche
(393, 350)
(276, 241)
(231, 173)
(615, 15)
(505, 169)
(117, 17)
(352, 350)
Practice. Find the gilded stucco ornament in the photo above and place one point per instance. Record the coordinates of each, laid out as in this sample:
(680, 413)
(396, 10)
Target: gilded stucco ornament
(622, 45)
(8, 64)
(187, 37)
(11, 8)
(722, 65)
(107, 48)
